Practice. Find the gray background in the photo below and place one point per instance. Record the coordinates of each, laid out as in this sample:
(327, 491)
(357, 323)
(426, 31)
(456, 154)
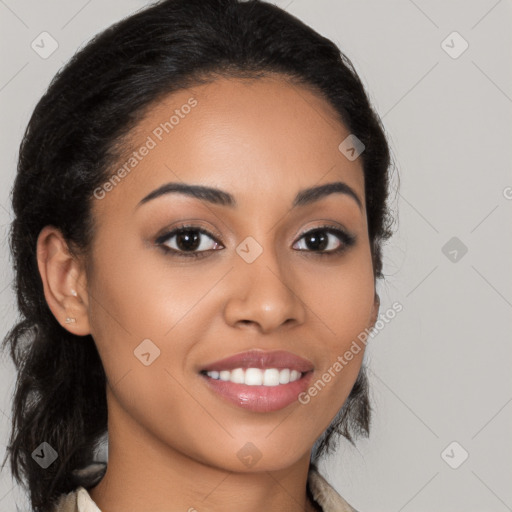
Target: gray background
(440, 371)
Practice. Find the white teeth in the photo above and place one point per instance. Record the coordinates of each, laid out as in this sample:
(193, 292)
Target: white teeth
(253, 377)
(271, 377)
(225, 375)
(257, 376)
(284, 376)
(294, 375)
(237, 376)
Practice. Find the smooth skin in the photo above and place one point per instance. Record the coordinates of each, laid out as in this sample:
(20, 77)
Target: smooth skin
(173, 442)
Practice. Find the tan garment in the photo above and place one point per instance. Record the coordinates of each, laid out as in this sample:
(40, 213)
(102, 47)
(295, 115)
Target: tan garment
(325, 495)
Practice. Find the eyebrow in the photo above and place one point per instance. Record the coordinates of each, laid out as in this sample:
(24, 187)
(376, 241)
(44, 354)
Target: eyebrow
(220, 197)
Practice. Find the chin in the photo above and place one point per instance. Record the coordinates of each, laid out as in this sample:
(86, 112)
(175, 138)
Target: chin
(261, 454)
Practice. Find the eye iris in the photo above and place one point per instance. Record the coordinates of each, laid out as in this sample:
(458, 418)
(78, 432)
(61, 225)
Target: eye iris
(188, 240)
(317, 241)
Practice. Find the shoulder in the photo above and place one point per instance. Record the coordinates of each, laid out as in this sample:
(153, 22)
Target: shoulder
(78, 500)
(325, 495)
(67, 502)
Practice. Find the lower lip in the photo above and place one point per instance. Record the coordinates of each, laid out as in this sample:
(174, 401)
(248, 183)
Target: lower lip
(260, 398)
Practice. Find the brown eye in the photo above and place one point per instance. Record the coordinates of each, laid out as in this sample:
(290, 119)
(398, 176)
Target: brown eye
(326, 240)
(188, 239)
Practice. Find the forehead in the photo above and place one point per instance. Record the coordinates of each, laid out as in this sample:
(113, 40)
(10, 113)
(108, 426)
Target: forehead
(249, 136)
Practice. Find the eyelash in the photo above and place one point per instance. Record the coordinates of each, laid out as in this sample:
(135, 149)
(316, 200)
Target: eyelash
(346, 239)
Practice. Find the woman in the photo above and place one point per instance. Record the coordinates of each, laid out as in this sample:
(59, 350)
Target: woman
(200, 207)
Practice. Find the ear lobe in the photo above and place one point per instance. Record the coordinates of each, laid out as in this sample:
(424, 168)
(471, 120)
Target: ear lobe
(62, 276)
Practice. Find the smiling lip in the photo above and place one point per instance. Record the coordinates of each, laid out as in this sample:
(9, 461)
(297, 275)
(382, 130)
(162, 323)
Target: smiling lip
(259, 359)
(260, 398)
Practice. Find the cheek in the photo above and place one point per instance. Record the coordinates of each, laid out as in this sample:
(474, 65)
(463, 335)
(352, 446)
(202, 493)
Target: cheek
(343, 302)
(342, 298)
(135, 293)
(135, 296)
(140, 314)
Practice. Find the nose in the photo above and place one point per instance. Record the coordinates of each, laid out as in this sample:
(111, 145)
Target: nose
(262, 295)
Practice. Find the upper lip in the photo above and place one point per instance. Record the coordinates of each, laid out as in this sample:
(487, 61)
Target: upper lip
(260, 359)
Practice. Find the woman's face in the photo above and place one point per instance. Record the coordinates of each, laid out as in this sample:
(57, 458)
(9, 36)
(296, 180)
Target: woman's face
(161, 316)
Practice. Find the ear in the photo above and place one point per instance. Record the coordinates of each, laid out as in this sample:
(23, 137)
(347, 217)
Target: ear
(64, 281)
(375, 310)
